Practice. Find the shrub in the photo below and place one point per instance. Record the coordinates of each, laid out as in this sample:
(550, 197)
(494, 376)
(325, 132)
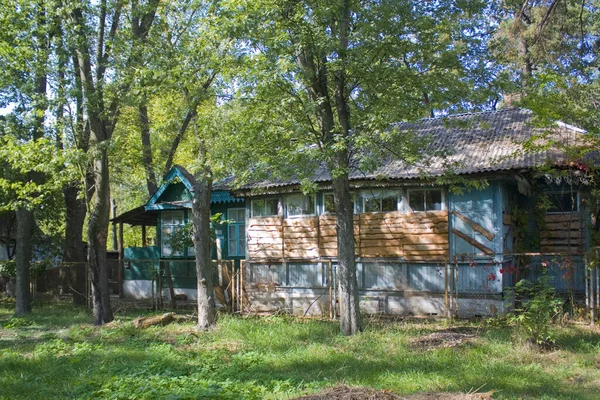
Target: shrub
(536, 309)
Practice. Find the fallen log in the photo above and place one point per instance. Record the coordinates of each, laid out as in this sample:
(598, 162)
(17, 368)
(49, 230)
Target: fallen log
(164, 319)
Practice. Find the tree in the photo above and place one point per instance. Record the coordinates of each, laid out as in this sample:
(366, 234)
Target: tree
(27, 94)
(553, 45)
(173, 85)
(330, 78)
(104, 81)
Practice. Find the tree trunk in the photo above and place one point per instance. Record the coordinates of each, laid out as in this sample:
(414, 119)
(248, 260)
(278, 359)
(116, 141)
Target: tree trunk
(74, 250)
(24, 252)
(202, 241)
(350, 323)
(147, 149)
(97, 236)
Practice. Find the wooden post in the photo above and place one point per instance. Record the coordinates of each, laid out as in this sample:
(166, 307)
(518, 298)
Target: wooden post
(154, 302)
(144, 238)
(456, 288)
(171, 287)
(446, 305)
(330, 276)
(121, 270)
(587, 282)
(334, 283)
(241, 296)
(114, 227)
(592, 302)
(596, 258)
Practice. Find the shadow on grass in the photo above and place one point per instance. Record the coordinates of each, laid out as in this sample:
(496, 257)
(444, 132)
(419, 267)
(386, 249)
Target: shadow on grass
(276, 356)
(87, 371)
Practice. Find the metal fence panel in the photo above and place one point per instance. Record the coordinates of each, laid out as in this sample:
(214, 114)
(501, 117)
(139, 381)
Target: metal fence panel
(426, 277)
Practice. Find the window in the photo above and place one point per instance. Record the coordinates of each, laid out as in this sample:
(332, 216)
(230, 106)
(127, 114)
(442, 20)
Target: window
(236, 231)
(171, 221)
(563, 202)
(329, 205)
(425, 200)
(265, 207)
(379, 200)
(297, 205)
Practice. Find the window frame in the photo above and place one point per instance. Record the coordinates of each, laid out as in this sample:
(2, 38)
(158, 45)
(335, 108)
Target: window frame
(577, 201)
(311, 199)
(240, 252)
(172, 254)
(253, 201)
(355, 209)
(442, 199)
(399, 194)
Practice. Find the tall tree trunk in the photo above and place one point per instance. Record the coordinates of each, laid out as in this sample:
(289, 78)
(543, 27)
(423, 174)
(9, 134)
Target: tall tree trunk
(25, 218)
(350, 323)
(526, 65)
(147, 148)
(202, 241)
(97, 236)
(24, 252)
(74, 250)
(102, 119)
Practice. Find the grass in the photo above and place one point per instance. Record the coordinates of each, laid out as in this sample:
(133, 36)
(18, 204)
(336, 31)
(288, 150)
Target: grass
(56, 354)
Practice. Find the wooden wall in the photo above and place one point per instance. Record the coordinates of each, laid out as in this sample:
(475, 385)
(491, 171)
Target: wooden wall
(265, 238)
(419, 236)
(562, 233)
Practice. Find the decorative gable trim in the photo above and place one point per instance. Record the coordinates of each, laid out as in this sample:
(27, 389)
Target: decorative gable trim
(175, 172)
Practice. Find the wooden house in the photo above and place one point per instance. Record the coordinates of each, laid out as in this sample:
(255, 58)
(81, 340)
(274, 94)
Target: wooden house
(427, 243)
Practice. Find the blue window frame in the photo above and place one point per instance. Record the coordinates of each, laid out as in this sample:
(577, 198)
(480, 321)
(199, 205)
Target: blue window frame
(236, 232)
(171, 221)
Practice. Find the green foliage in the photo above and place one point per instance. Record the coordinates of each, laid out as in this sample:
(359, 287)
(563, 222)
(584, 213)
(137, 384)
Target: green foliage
(183, 238)
(17, 323)
(8, 268)
(537, 308)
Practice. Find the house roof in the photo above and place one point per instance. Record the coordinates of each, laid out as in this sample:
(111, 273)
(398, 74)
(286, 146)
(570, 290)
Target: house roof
(138, 216)
(472, 143)
(147, 214)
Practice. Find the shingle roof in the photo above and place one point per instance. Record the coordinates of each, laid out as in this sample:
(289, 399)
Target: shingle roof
(467, 144)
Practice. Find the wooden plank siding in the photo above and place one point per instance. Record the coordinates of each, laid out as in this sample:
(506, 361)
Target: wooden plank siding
(562, 233)
(421, 236)
(301, 238)
(265, 238)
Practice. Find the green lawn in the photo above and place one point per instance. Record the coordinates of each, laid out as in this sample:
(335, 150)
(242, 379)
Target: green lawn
(56, 353)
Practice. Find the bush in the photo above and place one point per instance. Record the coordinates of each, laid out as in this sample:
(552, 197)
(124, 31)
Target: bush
(8, 268)
(536, 309)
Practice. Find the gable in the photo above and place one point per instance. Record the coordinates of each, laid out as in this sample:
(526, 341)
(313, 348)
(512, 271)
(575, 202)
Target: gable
(175, 192)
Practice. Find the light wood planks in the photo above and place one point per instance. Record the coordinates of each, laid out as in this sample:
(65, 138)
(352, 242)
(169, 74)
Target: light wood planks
(301, 237)
(265, 238)
(416, 237)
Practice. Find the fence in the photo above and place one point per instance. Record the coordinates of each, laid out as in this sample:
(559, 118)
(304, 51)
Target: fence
(67, 279)
(175, 281)
(466, 286)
